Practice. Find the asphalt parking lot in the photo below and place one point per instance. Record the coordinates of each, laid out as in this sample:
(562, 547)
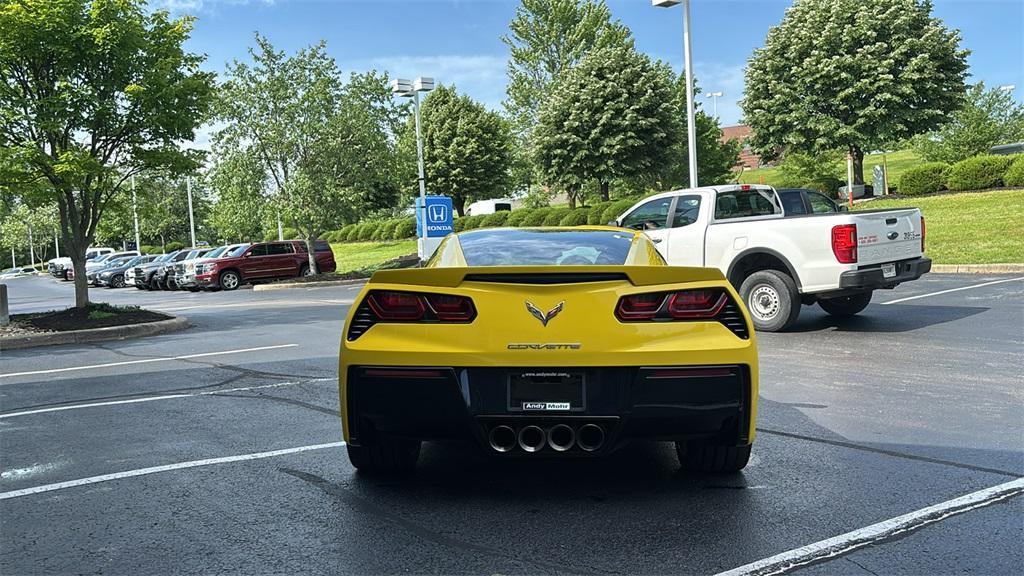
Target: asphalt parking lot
(218, 449)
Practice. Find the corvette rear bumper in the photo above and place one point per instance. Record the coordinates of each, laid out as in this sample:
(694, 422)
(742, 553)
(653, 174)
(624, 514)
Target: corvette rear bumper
(618, 403)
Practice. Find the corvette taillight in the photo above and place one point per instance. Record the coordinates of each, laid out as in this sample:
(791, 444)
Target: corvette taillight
(409, 307)
(696, 304)
(712, 304)
(844, 243)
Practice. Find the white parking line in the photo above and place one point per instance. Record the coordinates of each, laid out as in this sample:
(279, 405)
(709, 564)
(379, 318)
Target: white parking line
(146, 361)
(163, 397)
(256, 304)
(950, 290)
(164, 468)
(844, 543)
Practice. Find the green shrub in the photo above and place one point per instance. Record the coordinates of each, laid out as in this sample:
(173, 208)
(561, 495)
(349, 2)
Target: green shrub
(924, 179)
(978, 173)
(290, 234)
(1015, 173)
(616, 209)
(516, 217)
(345, 234)
(536, 217)
(385, 230)
(406, 228)
(366, 230)
(472, 222)
(577, 217)
(555, 216)
(596, 212)
(174, 246)
(496, 220)
(147, 249)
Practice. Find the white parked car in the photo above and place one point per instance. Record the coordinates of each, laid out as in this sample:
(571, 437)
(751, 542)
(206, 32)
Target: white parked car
(778, 261)
(58, 267)
(489, 206)
(9, 273)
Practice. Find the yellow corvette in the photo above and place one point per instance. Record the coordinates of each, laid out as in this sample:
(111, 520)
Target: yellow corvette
(548, 341)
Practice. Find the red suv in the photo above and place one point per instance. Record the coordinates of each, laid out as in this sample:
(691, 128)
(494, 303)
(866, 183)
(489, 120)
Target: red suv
(263, 261)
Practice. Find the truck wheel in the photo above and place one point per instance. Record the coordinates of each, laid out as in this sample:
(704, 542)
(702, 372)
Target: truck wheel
(701, 457)
(230, 280)
(846, 306)
(385, 456)
(772, 299)
(304, 271)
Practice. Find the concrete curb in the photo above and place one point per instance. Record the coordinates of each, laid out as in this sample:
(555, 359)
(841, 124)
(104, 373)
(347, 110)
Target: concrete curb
(287, 285)
(978, 268)
(95, 334)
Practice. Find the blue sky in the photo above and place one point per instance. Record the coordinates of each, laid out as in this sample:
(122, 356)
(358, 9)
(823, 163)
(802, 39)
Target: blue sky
(458, 41)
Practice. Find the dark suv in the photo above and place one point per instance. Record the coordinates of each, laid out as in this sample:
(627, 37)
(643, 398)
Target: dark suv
(263, 261)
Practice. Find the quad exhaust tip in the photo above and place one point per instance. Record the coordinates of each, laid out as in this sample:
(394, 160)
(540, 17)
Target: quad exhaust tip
(502, 438)
(531, 438)
(590, 437)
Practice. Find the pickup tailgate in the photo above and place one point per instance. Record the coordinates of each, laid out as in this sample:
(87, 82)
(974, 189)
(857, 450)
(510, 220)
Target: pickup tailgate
(888, 235)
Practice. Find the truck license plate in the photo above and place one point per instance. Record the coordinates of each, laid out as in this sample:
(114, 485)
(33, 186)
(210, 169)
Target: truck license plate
(888, 270)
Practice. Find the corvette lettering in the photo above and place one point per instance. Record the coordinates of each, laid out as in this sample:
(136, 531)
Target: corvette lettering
(544, 346)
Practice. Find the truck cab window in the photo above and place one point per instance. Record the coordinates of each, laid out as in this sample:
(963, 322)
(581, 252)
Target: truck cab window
(651, 215)
(686, 212)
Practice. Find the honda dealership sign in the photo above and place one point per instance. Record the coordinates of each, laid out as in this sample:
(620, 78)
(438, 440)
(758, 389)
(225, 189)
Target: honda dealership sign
(439, 224)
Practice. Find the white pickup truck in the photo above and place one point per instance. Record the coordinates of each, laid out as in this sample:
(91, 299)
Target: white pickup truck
(781, 251)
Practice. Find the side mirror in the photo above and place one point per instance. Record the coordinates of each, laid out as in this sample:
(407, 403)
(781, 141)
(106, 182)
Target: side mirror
(614, 223)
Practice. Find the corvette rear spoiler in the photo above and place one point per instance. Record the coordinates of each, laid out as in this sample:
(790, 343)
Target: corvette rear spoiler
(636, 275)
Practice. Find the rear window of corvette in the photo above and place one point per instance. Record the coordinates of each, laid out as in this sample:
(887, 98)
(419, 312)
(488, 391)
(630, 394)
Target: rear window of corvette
(507, 247)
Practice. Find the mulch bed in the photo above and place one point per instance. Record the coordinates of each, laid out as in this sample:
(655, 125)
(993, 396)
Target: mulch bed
(78, 319)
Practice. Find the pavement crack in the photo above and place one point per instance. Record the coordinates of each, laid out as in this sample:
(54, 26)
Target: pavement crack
(861, 566)
(892, 453)
(364, 506)
(292, 401)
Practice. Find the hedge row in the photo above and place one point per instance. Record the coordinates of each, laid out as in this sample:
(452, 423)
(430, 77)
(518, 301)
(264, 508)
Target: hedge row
(976, 173)
(403, 228)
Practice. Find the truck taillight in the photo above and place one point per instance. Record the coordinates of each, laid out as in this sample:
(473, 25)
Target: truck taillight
(844, 243)
(922, 234)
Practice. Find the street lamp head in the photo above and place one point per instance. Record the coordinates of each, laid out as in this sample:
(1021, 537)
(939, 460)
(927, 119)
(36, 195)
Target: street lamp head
(665, 3)
(401, 87)
(714, 94)
(423, 84)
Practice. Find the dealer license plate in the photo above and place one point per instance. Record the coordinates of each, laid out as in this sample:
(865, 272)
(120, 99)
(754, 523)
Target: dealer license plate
(546, 391)
(888, 270)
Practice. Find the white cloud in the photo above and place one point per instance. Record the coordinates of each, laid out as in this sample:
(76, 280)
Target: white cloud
(201, 6)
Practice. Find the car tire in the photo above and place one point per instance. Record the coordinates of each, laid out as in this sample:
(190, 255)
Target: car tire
(303, 270)
(117, 281)
(385, 456)
(772, 300)
(702, 457)
(846, 306)
(229, 280)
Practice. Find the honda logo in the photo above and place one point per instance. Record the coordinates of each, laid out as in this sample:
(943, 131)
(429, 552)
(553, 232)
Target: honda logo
(437, 213)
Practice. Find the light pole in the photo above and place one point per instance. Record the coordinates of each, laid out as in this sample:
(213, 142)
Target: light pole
(691, 125)
(135, 217)
(714, 99)
(191, 217)
(406, 89)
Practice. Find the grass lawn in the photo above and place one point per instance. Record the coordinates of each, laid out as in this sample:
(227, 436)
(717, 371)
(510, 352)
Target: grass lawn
(351, 256)
(898, 162)
(970, 228)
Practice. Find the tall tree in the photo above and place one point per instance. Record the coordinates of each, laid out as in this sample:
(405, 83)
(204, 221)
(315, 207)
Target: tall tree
(321, 142)
(23, 224)
(609, 117)
(467, 149)
(987, 118)
(853, 75)
(239, 181)
(91, 92)
(547, 38)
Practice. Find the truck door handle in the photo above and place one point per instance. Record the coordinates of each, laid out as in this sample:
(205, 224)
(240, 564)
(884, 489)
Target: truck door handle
(891, 221)
(656, 240)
